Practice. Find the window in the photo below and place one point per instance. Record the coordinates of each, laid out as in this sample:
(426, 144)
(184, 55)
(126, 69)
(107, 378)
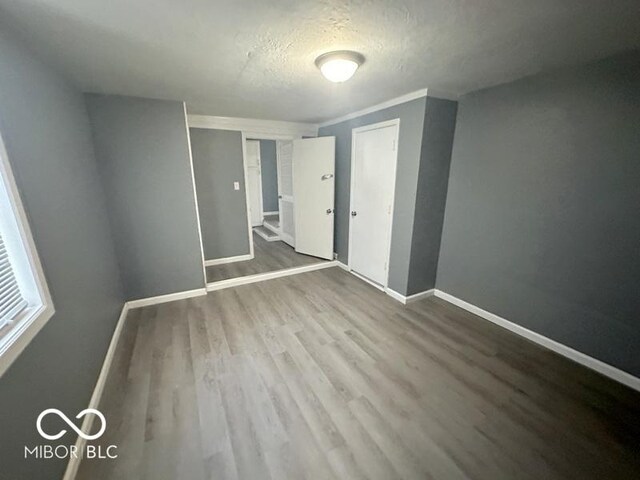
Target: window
(25, 303)
(12, 303)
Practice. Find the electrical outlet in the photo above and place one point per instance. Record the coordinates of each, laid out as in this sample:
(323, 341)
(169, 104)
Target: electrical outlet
(236, 185)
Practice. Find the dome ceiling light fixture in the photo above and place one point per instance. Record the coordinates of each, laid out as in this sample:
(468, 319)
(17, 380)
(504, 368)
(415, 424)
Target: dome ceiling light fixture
(339, 66)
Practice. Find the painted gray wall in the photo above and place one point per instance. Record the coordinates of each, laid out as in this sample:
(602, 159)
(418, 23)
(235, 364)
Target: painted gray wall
(46, 130)
(143, 154)
(433, 179)
(541, 223)
(217, 163)
(411, 115)
(269, 169)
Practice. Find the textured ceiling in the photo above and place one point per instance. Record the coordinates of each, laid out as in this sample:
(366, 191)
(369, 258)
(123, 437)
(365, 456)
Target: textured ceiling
(254, 58)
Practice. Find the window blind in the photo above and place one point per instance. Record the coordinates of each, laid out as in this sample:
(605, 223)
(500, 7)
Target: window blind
(11, 300)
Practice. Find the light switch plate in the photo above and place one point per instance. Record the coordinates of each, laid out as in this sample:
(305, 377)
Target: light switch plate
(236, 185)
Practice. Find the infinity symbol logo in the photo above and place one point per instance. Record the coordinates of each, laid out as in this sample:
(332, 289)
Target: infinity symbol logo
(71, 424)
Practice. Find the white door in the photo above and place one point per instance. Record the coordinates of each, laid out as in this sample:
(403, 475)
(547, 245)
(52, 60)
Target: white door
(285, 191)
(313, 190)
(254, 182)
(373, 174)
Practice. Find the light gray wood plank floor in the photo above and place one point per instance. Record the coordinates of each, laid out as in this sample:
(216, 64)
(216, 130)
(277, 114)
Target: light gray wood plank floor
(321, 376)
(268, 257)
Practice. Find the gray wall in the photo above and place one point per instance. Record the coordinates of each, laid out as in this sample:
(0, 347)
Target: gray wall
(217, 162)
(541, 223)
(411, 115)
(143, 154)
(433, 179)
(46, 130)
(269, 170)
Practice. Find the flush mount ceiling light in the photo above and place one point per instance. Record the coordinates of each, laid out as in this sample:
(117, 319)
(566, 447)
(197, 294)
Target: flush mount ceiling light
(339, 66)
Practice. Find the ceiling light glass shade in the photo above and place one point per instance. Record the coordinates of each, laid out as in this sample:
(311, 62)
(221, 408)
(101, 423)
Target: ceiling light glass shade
(339, 66)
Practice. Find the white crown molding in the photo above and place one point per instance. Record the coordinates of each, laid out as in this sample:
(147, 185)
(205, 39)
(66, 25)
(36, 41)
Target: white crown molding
(392, 103)
(443, 95)
(578, 357)
(380, 106)
(254, 127)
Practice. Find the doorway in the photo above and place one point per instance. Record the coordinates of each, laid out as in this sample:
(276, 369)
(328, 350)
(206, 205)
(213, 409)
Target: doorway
(289, 190)
(373, 176)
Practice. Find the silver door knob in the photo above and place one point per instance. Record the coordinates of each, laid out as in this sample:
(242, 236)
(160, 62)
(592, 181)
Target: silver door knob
(354, 213)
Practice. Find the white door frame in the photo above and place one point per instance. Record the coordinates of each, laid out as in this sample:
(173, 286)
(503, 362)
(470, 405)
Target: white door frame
(260, 180)
(354, 135)
(245, 170)
(257, 136)
(283, 236)
(252, 129)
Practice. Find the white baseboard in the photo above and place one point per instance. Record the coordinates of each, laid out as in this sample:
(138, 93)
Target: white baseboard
(579, 357)
(259, 277)
(268, 226)
(410, 298)
(266, 214)
(347, 268)
(392, 293)
(375, 285)
(74, 462)
(266, 237)
(222, 261)
(170, 297)
(396, 296)
(343, 266)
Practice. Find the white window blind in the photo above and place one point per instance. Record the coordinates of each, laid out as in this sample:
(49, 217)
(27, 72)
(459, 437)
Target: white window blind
(25, 302)
(11, 300)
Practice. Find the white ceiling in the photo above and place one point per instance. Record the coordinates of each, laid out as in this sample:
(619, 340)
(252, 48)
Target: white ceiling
(254, 58)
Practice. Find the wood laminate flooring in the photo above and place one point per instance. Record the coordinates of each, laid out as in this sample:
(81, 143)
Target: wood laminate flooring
(321, 376)
(268, 257)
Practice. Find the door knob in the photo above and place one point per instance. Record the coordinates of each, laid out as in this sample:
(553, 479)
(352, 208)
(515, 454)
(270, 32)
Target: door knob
(280, 197)
(354, 213)
(329, 211)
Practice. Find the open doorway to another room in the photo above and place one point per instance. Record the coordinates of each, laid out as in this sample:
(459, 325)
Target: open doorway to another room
(262, 180)
(269, 172)
(247, 193)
